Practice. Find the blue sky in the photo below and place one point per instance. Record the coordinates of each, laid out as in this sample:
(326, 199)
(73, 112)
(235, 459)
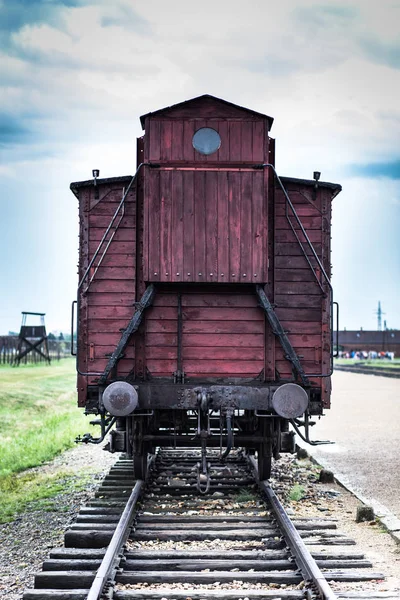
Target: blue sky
(75, 76)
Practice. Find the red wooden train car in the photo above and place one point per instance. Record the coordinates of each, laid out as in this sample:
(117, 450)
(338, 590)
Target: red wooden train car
(204, 301)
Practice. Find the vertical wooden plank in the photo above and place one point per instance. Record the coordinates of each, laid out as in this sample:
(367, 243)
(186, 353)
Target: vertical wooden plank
(259, 230)
(235, 140)
(152, 218)
(188, 226)
(212, 124)
(177, 226)
(211, 224)
(188, 131)
(199, 226)
(198, 157)
(247, 141)
(177, 141)
(154, 139)
(166, 140)
(246, 227)
(223, 228)
(234, 226)
(258, 141)
(166, 224)
(223, 130)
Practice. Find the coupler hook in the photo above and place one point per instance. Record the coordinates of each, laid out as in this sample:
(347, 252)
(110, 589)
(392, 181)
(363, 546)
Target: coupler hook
(203, 471)
(203, 431)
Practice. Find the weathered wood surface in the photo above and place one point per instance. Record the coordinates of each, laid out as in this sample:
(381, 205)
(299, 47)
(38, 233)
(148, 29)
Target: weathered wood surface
(232, 249)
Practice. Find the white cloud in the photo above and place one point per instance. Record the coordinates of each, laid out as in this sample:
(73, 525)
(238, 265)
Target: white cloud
(80, 83)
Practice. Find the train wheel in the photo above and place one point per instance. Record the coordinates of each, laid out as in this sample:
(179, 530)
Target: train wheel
(264, 466)
(140, 465)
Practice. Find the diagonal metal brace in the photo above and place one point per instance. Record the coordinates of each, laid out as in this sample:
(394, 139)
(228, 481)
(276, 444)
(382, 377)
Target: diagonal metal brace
(145, 301)
(278, 330)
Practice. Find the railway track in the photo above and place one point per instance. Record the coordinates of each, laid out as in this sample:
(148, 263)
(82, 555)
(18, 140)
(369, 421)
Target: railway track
(179, 544)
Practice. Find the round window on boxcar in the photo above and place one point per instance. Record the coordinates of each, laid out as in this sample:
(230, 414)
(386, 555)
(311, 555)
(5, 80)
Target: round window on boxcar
(206, 140)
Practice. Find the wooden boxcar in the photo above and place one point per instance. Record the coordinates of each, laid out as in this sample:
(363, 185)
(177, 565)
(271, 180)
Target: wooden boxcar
(204, 302)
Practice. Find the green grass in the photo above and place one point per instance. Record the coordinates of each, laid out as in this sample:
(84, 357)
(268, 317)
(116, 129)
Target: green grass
(383, 363)
(245, 495)
(39, 419)
(296, 493)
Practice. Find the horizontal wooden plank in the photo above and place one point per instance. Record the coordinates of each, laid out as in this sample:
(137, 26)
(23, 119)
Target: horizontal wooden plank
(121, 234)
(223, 353)
(119, 260)
(308, 288)
(287, 235)
(300, 194)
(107, 209)
(293, 262)
(106, 338)
(101, 350)
(107, 325)
(202, 298)
(223, 314)
(120, 273)
(302, 210)
(298, 314)
(295, 249)
(308, 222)
(207, 340)
(111, 312)
(305, 354)
(161, 299)
(125, 365)
(207, 314)
(160, 366)
(161, 326)
(103, 221)
(303, 275)
(206, 353)
(297, 301)
(305, 340)
(116, 247)
(302, 327)
(100, 286)
(111, 298)
(215, 327)
(162, 352)
(159, 313)
(284, 367)
(200, 367)
(224, 327)
(161, 339)
(220, 300)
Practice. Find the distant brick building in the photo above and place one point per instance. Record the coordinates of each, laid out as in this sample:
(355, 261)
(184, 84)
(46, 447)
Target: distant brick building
(378, 341)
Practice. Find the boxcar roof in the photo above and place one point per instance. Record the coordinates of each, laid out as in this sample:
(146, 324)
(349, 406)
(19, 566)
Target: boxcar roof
(336, 187)
(89, 182)
(206, 98)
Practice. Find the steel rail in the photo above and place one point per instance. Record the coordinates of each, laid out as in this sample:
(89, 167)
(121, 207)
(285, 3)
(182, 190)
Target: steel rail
(111, 559)
(308, 567)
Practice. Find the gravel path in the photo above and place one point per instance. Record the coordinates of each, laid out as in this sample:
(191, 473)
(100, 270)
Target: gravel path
(26, 542)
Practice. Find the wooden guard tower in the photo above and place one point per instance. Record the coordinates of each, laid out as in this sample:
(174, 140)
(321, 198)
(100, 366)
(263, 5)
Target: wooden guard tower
(32, 338)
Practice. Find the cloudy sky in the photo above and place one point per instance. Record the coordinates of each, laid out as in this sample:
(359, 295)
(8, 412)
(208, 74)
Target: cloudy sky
(75, 75)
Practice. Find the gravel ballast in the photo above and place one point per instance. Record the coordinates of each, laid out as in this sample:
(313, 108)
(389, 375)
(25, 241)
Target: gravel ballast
(27, 541)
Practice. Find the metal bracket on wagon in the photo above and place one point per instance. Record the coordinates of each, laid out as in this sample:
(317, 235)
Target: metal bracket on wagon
(278, 330)
(145, 301)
